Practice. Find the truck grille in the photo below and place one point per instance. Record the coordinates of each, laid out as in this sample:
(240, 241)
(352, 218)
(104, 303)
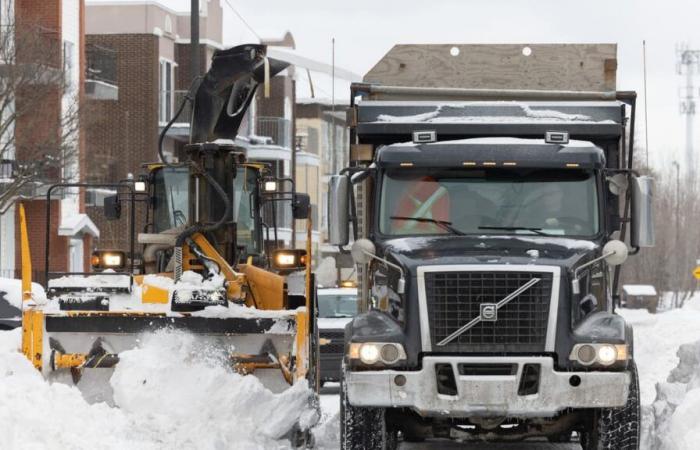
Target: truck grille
(455, 298)
(336, 346)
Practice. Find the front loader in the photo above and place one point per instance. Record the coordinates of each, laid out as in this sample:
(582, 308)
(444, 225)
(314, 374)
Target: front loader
(201, 264)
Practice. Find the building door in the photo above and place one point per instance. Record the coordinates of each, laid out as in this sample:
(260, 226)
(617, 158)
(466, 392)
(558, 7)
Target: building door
(76, 255)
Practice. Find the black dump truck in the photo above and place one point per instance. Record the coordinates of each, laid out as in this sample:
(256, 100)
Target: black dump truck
(490, 224)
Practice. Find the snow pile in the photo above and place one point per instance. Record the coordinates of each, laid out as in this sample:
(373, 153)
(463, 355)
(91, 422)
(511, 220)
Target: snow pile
(172, 393)
(673, 415)
(13, 291)
(667, 352)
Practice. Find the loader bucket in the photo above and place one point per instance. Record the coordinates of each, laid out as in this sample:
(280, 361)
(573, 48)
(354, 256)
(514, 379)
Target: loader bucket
(84, 346)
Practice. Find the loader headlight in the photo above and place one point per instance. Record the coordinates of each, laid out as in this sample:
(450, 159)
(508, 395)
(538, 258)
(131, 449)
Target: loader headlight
(288, 260)
(599, 354)
(108, 259)
(374, 353)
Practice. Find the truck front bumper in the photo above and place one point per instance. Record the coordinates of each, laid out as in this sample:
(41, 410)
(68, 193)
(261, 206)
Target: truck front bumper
(487, 395)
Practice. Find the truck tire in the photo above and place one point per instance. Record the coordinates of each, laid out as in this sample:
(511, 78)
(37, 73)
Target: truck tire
(363, 428)
(616, 428)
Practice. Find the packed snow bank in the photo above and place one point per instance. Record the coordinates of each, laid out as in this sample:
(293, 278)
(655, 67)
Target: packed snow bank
(171, 392)
(656, 340)
(13, 291)
(673, 417)
(667, 352)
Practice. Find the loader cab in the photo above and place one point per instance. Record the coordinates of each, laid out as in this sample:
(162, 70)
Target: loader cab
(173, 206)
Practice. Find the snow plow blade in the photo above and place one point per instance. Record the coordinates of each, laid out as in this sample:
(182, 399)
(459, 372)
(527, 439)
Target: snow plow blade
(81, 343)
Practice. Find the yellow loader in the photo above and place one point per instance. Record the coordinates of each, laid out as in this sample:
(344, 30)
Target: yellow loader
(202, 267)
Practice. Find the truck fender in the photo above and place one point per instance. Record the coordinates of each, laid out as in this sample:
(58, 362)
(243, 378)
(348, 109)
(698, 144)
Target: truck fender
(603, 326)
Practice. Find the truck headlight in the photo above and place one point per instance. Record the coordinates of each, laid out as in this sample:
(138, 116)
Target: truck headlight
(375, 353)
(600, 354)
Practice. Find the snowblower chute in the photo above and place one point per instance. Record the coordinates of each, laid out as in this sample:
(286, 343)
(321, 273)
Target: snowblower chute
(206, 264)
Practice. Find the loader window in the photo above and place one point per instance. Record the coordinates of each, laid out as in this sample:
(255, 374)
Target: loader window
(171, 198)
(244, 209)
(494, 201)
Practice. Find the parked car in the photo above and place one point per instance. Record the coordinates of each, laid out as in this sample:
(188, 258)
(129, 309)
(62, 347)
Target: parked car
(336, 307)
(640, 296)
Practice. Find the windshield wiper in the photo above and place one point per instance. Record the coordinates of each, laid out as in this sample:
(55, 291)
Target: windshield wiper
(532, 229)
(441, 223)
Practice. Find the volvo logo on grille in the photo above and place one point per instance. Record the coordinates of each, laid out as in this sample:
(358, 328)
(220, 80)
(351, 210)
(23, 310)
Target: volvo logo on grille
(489, 312)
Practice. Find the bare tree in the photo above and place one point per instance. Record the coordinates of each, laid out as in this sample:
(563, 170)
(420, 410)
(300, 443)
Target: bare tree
(39, 114)
(668, 265)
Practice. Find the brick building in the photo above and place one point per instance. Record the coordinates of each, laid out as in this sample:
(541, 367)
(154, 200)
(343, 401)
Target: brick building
(48, 38)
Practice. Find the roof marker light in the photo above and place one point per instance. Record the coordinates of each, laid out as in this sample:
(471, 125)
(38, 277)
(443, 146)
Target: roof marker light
(469, 163)
(510, 163)
(489, 163)
(406, 164)
(572, 165)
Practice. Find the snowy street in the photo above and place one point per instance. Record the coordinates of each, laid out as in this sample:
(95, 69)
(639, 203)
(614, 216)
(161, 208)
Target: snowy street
(155, 408)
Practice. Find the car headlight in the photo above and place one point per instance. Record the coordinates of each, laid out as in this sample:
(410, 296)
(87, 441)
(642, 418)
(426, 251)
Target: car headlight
(601, 354)
(374, 353)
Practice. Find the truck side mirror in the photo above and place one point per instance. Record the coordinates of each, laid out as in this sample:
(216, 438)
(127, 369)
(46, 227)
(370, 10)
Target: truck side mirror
(339, 191)
(112, 207)
(642, 229)
(301, 204)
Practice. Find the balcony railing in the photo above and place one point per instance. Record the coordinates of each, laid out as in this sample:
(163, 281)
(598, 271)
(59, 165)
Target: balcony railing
(101, 64)
(276, 128)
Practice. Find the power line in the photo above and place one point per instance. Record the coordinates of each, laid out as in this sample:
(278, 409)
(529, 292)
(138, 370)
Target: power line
(245, 22)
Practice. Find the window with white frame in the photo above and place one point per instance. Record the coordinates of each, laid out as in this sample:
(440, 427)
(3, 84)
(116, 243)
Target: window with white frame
(68, 62)
(165, 110)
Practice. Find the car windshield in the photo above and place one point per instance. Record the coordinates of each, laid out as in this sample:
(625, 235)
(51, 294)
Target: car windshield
(337, 305)
(493, 201)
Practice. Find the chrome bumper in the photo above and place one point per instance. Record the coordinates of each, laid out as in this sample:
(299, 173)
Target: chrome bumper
(487, 395)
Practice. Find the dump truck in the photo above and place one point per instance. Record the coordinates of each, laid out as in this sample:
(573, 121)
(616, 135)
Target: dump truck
(492, 200)
(201, 264)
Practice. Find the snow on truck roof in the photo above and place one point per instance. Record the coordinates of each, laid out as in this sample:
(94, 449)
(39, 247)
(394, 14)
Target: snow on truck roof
(498, 151)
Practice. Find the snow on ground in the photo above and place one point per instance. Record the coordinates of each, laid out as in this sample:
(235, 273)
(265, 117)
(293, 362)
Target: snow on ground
(13, 291)
(667, 351)
(171, 393)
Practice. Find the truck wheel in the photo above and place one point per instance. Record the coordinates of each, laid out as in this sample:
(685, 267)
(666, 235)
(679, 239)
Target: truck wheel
(616, 428)
(363, 428)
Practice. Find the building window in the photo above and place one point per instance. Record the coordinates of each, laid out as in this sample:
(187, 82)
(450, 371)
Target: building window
(68, 62)
(165, 110)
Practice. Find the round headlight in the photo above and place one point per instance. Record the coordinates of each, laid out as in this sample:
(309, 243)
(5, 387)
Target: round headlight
(390, 353)
(586, 354)
(607, 354)
(369, 354)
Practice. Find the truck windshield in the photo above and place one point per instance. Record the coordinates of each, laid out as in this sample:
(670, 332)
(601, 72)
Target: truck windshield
(493, 201)
(337, 305)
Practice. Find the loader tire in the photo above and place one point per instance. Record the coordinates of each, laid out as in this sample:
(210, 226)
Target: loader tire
(363, 428)
(617, 428)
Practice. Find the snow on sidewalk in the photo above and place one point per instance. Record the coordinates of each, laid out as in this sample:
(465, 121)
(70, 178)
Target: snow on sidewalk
(169, 396)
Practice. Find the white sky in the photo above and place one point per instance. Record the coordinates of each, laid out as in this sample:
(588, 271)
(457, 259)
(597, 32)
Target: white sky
(366, 29)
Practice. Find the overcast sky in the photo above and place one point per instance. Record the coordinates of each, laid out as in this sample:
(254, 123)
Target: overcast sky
(366, 29)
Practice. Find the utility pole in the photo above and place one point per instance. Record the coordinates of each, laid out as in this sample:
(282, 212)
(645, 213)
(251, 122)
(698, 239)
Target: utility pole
(194, 38)
(334, 158)
(688, 64)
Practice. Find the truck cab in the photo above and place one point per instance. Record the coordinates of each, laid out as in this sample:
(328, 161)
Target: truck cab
(489, 237)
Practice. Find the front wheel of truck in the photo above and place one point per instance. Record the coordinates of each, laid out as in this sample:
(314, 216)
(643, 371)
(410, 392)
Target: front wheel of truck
(616, 428)
(363, 428)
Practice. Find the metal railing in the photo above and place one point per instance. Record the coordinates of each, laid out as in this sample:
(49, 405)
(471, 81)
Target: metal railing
(276, 128)
(101, 64)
